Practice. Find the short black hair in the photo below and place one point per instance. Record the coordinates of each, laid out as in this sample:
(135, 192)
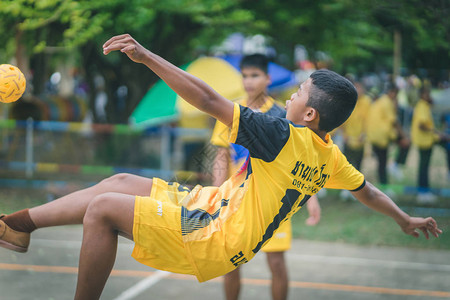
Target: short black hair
(259, 61)
(333, 96)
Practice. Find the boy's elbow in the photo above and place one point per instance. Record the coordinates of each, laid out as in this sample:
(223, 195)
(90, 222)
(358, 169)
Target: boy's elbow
(208, 101)
(368, 193)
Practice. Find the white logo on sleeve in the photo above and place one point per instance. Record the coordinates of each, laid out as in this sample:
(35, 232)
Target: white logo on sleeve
(159, 209)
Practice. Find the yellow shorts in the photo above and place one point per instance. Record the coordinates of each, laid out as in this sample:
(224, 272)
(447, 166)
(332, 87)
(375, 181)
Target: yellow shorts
(281, 240)
(157, 228)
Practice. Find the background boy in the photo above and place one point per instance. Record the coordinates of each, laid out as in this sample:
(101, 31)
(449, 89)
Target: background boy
(382, 128)
(424, 135)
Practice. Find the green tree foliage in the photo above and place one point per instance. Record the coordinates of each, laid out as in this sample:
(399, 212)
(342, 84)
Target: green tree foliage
(356, 34)
(39, 32)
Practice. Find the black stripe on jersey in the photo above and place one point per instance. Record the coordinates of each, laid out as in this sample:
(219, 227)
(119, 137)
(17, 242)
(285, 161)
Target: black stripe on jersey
(276, 111)
(360, 187)
(181, 188)
(249, 169)
(304, 200)
(192, 220)
(288, 201)
(263, 135)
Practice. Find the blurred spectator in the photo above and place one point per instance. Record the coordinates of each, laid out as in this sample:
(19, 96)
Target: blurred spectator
(384, 127)
(354, 132)
(354, 129)
(446, 142)
(101, 99)
(412, 90)
(424, 136)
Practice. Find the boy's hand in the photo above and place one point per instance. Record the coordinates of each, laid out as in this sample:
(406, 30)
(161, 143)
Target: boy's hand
(126, 44)
(314, 211)
(426, 225)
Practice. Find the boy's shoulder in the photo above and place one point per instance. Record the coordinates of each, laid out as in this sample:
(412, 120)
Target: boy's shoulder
(276, 109)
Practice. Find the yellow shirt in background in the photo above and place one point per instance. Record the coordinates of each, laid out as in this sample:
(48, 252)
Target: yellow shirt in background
(355, 126)
(380, 122)
(221, 133)
(422, 115)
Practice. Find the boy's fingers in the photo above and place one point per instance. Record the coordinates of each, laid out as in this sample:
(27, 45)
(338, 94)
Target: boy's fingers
(432, 227)
(115, 46)
(414, 234)
(114, 38)
(129, 49)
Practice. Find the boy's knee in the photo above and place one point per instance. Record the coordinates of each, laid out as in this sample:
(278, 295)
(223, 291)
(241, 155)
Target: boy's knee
(116, 179)
(97, 210)
(276, 261)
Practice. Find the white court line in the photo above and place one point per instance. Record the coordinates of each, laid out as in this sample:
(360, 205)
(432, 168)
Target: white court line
(390, 264)
(337, 260)
(142, 285)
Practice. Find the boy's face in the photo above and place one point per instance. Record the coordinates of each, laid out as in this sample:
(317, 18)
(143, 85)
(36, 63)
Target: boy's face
(296, 107)
(255, 81)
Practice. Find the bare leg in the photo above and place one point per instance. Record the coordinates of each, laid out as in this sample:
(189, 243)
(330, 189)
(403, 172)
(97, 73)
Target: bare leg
(71, 208)
(107, 216)
(232, 284)
(279, 275)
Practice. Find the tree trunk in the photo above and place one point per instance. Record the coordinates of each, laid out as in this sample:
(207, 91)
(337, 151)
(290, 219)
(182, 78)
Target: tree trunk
(21, 56)
(397, 53)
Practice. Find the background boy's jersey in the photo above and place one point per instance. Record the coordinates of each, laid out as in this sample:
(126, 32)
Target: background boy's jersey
(355, 126)
(380, 122)
(226, 226)
(422, 115)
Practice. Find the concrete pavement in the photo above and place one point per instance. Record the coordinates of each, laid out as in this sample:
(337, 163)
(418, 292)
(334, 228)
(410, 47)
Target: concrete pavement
(318, 270)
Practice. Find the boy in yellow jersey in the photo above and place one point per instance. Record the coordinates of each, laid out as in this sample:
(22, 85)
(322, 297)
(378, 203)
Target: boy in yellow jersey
(209, 231)
(230, 157)
(424, 135)
(383, 127)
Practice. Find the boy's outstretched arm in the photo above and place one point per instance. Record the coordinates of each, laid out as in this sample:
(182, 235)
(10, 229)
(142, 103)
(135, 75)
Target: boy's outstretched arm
(189, 87)
(377, 200)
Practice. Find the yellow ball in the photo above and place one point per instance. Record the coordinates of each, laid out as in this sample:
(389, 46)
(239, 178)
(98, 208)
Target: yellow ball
(12, 83)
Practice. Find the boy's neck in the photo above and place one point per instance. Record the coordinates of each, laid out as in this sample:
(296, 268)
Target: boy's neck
(315, 128)
(257, 102)
(322, 134)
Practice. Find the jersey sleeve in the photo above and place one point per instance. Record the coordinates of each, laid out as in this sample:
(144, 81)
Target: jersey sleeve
(220, 135)
(264, 136)
(345, 176)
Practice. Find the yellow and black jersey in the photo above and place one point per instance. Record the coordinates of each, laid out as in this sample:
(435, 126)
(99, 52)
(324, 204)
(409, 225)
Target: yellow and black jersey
(223, 227)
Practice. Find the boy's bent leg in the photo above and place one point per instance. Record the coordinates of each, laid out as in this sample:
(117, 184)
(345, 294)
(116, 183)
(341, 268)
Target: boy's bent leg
(232, 284)
(107, 216)
(70, 209)
(280, 279)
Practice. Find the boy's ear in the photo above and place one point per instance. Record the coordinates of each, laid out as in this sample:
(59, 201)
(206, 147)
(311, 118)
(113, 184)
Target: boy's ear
(269, 79)
(311, 114)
